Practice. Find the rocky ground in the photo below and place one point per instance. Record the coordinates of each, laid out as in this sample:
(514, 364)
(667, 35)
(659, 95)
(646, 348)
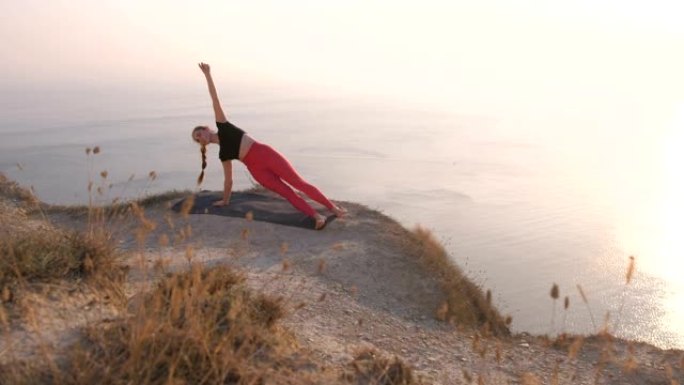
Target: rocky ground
(352, 286)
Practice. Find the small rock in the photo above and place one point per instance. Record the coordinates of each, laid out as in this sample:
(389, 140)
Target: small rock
(432, 359)
(524, 345)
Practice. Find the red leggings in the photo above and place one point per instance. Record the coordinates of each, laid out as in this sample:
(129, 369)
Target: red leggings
(272, 170)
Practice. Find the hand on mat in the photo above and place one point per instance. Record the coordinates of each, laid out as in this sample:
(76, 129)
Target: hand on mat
(220, 203)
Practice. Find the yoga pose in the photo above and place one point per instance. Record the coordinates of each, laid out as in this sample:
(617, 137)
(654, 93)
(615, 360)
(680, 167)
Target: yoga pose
(267, 166)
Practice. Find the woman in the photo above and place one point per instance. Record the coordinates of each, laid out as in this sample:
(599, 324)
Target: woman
(267, 166)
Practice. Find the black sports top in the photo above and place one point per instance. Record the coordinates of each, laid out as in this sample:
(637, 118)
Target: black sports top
(229, 140)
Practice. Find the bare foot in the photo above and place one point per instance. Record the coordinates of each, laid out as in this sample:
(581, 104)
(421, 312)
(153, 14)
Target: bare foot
(320, 221)
(339, 211)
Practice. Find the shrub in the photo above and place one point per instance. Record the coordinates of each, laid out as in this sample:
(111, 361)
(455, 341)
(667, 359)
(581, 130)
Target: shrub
(53, 254)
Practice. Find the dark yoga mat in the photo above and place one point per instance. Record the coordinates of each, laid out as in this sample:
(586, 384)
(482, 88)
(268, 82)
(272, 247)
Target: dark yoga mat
(265, 207)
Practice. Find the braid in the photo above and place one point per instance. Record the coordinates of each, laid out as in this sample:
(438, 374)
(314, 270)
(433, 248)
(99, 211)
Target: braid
(203, 150)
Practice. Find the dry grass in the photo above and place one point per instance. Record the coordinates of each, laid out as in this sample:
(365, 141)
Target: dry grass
(54, 254)
(33, 261)
(205, 327)
(610, 356)
(466, 304)
(34, 253)
(195, 327)
(198, 327)
(371, 367)
(118, 208)
(11, 190)
(34, 250)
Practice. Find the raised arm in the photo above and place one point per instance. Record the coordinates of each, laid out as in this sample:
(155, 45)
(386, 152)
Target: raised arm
(218, 111)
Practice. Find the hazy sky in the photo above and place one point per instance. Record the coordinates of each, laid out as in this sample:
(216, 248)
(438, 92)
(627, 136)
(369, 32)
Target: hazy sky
(439, 49)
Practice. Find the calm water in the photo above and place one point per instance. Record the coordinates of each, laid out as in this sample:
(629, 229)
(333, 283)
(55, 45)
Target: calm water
(521, 200)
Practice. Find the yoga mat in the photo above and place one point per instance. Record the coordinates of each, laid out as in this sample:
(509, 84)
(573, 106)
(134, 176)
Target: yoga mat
(264, 206)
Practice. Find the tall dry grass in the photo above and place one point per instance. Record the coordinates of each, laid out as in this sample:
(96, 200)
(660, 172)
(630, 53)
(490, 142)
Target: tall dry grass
(56, 254)
(33, 250)
(9, 189)
(38, 257)
(197, 327)
(466, 303)
(612, 357)
(201, 326)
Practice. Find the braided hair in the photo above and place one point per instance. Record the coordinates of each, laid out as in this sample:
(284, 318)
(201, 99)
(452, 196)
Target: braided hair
(203, 150)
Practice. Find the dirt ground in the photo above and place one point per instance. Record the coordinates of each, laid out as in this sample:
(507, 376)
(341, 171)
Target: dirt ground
(348, 287)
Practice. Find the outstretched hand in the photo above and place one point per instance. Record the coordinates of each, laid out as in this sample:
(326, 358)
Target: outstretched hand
(205, 68)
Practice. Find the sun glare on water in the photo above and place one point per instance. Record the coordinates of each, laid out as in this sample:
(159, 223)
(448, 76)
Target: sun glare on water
(671, 245)
(672, 209)
(654, 229)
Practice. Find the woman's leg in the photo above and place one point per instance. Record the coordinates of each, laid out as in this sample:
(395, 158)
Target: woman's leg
(282, 168)
(272, 182)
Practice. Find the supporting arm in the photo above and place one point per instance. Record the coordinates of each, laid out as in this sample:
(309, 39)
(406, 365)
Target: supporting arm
(227, 183)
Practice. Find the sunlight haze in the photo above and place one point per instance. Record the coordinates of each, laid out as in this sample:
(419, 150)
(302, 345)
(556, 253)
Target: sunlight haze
(444, 52)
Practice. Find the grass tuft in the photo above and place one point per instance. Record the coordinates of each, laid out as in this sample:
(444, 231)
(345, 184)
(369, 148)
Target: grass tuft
(53, 254)
(197, 327)
(370, 367)
(466, 303)
(11, 190)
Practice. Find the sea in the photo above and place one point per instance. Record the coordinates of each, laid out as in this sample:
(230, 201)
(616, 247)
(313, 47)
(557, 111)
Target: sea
(522, 199)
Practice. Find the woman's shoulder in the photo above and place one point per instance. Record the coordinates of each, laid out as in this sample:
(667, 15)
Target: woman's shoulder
(224, 124)
(227, 125)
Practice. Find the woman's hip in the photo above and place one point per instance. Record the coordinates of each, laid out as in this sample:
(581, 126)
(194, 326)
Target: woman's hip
(259, 155)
